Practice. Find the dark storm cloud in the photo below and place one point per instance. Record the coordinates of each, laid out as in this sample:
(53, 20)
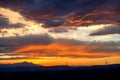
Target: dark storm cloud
(4, 23)
(54, 13)
(25, 40)
(6, 49)
(112, 29)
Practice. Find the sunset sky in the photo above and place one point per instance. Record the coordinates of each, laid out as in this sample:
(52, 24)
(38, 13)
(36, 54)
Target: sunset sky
(60, 32)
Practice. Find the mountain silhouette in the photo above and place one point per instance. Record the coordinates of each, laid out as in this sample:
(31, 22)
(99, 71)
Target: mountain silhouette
(30, 67)
(23, 64)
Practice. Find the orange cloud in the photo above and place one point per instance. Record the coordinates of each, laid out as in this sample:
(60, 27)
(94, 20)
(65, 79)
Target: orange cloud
(95, 17)
(60, 50)
(79, 21)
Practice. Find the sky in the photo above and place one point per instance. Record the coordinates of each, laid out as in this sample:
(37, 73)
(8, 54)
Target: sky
(56, 32)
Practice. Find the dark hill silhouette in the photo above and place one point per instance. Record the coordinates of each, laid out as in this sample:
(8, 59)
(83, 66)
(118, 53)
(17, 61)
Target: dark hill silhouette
(25, 66)
(30, 71)
(19, 64)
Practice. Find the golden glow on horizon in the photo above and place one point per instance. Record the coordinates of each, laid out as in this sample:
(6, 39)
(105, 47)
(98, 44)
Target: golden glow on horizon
(52, 61)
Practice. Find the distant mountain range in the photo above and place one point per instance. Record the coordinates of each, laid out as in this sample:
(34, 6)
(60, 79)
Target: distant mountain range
(25, 67)
(24, 64)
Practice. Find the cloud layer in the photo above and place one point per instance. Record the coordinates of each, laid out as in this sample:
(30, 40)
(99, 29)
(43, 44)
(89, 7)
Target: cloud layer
(25, 40)
(112, 29)
(55, 13)
(58, 50)
(4, 23)
(46, 46)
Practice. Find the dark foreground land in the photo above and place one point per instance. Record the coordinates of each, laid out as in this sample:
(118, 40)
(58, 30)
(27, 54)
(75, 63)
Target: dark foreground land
(64, 73)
